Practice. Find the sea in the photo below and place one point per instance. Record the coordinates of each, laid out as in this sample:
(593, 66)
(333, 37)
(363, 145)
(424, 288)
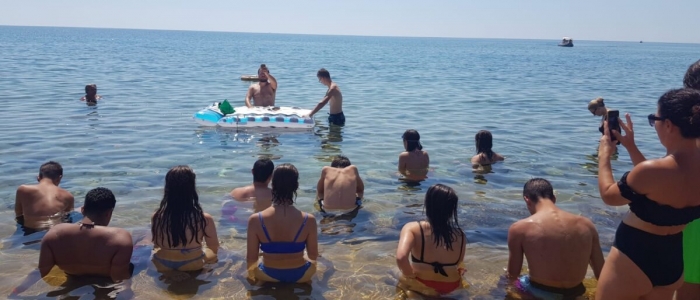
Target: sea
(531, 94)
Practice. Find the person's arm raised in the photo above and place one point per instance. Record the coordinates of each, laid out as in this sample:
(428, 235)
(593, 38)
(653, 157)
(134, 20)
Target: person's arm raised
(609, 191)
(271, 80)
(627, 140)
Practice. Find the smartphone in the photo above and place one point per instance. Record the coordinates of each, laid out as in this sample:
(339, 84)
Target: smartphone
(613, 122)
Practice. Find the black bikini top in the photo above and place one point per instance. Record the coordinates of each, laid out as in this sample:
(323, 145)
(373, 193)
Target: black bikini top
(658, 214)
(437, 267)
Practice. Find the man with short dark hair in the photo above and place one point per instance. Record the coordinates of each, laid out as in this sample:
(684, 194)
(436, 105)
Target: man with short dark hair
(333, 96)
(89, 247)
(259, 191)
(263, 93)
(340, 186)
(42, 203)
(558, 246)
(91, 95)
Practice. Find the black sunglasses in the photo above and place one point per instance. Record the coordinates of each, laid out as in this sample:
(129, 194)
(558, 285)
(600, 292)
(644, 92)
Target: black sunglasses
(653, 118)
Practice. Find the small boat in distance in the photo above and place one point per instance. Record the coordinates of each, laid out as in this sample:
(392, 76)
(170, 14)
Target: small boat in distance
(566, 42)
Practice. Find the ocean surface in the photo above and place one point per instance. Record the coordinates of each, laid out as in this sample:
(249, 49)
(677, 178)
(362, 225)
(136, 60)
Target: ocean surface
(531, 94)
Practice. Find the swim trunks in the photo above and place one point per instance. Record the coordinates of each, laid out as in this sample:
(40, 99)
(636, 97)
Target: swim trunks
(337, 119)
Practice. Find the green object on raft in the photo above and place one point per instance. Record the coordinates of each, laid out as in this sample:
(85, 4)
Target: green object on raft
(226, 108)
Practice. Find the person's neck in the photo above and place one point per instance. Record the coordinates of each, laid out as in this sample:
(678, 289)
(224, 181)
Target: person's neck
(683, 146)
(259, 184)
(93, 221)
(47, 181)
(545, 205)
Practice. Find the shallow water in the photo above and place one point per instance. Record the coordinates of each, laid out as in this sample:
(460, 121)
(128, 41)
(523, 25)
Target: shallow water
(531, 94)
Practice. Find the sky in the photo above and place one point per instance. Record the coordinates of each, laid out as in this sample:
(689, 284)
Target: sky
(612, 20)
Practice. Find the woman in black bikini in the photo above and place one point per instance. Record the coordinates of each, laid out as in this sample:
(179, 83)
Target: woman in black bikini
(646, 260)
(436, 247)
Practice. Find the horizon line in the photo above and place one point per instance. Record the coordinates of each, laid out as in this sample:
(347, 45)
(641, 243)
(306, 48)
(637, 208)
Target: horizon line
(347, 35)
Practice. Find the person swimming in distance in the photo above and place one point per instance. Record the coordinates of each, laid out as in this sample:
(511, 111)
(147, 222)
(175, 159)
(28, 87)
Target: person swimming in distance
(691, 234)
(340, 186)
(263, 93)
(89, 247)
(436, 247)
(549, 239)
(259, 191)
(91, 95)
(597, 108)
(39, 206)
(334, 96)
(414, 162)
(646, 260)
(180, 226)
(484, 154)
(282, 232)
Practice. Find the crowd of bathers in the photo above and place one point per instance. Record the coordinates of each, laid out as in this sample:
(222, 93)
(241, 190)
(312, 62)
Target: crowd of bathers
(656, 252)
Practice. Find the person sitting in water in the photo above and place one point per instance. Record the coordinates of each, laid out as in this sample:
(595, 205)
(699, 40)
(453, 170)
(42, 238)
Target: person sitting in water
(282, 232)
(484, 154)
(691, 234)
(646, 260)
(414, 162)
(91, 95)
(38, 206)
(549, 239)
(89, 247)
(597, 108)
(259, 191)
(334, 96)
(436, 247)
(263, 93)
(179, 226)
(340, 186)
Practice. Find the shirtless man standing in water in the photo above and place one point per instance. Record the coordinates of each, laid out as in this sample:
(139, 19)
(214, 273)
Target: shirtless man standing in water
(333, 96)
(41, 203)
(263, 93)
(558, 246)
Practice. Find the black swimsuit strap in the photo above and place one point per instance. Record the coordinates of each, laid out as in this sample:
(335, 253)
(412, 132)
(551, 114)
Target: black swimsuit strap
(422, 239)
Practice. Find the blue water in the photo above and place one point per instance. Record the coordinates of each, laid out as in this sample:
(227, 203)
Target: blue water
(531, 94)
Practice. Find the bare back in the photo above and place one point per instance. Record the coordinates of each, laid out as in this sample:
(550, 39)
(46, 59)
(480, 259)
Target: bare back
(414, 165)
(558, 246)
(87, 250)
(336, 99)
(39, 202)
(340, 187)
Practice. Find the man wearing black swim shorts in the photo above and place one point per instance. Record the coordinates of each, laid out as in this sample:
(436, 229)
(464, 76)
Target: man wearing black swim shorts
(333, 96)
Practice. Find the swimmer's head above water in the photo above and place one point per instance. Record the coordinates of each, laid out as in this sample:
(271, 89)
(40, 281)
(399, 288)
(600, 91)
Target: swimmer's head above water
(597, 107)
(51, 170)
(323, 76)
(411, 140)
(262, 170)
(340, 161)
(99, 205)
(262, 73)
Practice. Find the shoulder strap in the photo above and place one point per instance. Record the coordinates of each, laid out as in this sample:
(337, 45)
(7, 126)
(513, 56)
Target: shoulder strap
(263, 227)
(422, 239)
(301, 228)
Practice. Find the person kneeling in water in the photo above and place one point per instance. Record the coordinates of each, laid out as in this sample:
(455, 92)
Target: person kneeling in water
(340, 186)
(282, 232)
(550, 239)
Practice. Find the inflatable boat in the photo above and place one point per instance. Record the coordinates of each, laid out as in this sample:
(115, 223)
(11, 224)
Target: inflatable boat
(251, 117)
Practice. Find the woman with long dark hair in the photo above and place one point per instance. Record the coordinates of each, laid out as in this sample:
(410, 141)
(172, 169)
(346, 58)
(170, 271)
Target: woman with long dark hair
(484, 153)
(282, 232)
(646, 260)
(179, 226)
(414, 162)
(435, 247)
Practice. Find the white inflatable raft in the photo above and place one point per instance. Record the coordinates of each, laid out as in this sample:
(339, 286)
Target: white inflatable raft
(267, 117)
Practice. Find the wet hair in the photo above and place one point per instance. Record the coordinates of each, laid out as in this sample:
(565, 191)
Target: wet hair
(692, 76)
(340, 161)
(285, 182)
(682, 108)
(484, 143)
(179, 210)
(51, 170)
(441, 211)
(323, 73)
(595, 104)
(90, 87)
(262, 170)
(538, 188)
(412, 139)
(98, 201)
(263, 67)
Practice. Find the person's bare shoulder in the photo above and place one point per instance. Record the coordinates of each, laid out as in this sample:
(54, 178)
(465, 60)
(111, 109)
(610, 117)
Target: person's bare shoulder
(26, 189)
(208, 217)
(241, 193)
(120, 236)
(520, 227)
